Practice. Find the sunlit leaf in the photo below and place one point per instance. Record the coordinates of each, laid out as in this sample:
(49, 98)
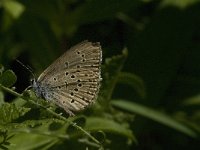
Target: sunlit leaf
(195, 100)
(178, 3)
(14, 8)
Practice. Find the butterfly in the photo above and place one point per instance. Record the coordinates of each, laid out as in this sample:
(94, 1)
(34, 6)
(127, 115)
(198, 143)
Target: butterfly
(72, 81)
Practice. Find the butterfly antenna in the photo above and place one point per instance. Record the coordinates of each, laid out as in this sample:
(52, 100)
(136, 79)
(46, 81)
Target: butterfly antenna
(27, 67)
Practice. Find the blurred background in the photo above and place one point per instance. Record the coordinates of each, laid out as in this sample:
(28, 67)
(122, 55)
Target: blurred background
(163, 42)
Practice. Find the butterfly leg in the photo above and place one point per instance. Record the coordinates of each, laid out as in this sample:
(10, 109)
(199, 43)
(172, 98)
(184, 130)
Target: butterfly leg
(67, 110)
(71, 114)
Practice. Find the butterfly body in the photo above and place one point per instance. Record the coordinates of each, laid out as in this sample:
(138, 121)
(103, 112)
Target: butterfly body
(40, 90)
(73, 80)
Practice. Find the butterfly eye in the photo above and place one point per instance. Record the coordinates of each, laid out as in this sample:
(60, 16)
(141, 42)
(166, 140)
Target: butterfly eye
(32, 81)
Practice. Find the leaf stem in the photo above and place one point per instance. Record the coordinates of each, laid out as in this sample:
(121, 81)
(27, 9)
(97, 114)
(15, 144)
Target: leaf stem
(10, 91)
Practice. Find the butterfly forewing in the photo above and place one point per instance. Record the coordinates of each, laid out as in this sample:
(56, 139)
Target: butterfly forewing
(73, 80)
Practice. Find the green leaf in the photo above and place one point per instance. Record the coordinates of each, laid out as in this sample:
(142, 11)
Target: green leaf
(14, 8)
(4, 139)
(190, 119)
(134, 81)
(1, 98)
(38, 133)
(3, 147)
(32, 141)
(25, 125)
(9, 113)
(79, 120)
(19, 101)
(154, 115)
(100, 136)
(1, 69)
(8, 78)
(107, 125)
(178, 3)
(195, 100)
(34, 130)
(111, 71)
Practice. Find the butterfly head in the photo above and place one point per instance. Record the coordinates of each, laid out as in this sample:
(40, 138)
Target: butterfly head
(36, 87)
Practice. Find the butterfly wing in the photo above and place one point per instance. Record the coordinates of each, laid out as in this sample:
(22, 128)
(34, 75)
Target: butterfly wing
(73, 80)
(86, 53)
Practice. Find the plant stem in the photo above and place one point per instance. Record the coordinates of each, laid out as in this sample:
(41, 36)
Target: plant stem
(32, 101)
(10, 91)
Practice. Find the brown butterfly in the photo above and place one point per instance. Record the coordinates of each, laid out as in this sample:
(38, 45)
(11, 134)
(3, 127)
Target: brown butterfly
(72, 81)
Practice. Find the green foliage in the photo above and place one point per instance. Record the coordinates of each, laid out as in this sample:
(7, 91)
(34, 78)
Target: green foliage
(180, 4)
(8, 78)
(18, 119)
(9, 113)
(110, 126)
(111, 71)
(134, 81)
(154, 115)
(14, 8)
(1, 98)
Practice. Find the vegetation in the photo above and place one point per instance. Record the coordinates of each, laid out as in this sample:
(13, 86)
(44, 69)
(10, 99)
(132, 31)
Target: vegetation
(149, 96)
